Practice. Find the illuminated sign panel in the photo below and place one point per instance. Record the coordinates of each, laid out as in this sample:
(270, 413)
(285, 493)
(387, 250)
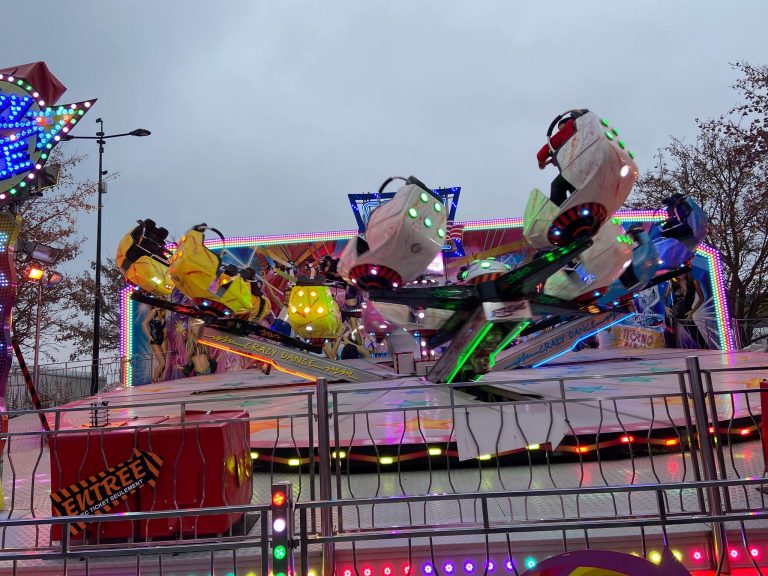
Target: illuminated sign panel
(29, 129)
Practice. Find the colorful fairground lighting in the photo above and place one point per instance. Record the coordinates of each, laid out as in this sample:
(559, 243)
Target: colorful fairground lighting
(29, 130)
(711, 255)
(282, 529)
(695, 556)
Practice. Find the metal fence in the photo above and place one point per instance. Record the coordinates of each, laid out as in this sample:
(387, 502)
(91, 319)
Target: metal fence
(751, 332)
(361, 505)
(63, 382)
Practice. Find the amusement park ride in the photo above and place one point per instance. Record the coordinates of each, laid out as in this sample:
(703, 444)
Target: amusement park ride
(586, 270)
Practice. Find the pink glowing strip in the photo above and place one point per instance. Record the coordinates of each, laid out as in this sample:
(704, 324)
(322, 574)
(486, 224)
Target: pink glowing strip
(126, 334)
(710, 254)
(623, 215)
(717, 280)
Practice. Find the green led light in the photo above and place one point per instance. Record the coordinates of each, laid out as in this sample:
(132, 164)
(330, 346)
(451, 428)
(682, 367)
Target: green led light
(468, 351)
(279, 552)
(80, 112)
(13, 191)
(440, 233)
(22, 184)
(29, 88)
(609, 135)
(622, 145)
(604, 122)
(508, 340)
(632, 155)
(280, 574)
(485, 264)
(615, 132)
(428, 222)
(424, 197)
(438, 207)
(43, 156)
(412, 212)
(19, 82)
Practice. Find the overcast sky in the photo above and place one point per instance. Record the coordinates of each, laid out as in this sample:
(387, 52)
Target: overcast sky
(265, 114)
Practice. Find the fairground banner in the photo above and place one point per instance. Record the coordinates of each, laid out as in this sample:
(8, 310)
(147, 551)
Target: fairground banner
(103, 491)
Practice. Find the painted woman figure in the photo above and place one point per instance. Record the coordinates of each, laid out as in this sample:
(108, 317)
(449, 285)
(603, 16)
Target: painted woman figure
(154, 328)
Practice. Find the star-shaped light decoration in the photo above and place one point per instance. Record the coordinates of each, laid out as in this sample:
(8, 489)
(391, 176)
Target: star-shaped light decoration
(410, 403)
(29, 130)
(636, 379)
(586, 389)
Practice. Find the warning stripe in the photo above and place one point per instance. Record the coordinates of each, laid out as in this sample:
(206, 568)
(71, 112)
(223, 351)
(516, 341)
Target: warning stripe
(150, 463)
(31, 388)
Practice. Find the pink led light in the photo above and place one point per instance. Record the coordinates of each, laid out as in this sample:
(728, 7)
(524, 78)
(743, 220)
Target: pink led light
(697, 555)
(718, 292)
(126, 340)
(754, 552)
(733, 553)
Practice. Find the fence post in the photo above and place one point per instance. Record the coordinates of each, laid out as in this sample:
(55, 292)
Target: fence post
(324, 458)
(708, 459)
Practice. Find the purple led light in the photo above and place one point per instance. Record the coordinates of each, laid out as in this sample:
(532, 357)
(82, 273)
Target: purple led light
(449, 567)
(427, 568)
(509, 565)
(469, 566)
(491, 566)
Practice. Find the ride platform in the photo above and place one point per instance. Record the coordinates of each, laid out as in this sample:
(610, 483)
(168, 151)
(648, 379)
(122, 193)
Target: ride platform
(598, 389)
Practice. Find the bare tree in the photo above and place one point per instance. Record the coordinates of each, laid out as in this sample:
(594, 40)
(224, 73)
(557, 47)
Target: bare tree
(726, 170)
(51, 219)
(78, 319)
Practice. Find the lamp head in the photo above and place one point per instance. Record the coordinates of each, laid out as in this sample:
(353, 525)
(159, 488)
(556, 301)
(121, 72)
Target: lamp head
(140, 132)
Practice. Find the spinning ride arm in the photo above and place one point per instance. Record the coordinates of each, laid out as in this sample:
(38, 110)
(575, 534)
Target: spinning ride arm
(227, 324)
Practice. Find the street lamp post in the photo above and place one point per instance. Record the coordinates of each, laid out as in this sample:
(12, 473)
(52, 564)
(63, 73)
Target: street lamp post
(100, 140)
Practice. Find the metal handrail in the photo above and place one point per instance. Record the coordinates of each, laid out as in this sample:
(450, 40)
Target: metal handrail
(584, 490)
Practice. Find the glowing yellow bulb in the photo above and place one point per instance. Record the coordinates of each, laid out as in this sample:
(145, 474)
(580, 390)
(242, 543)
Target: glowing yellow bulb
(654, 557)
(293, 309)
(301, 292)
(320, 309)
(313, 294)
(307, 309)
